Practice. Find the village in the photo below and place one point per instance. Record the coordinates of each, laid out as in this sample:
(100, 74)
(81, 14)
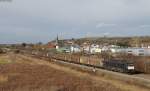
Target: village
(69, 46)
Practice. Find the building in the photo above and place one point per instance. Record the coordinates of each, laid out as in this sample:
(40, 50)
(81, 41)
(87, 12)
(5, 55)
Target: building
(64, 49)
(138, 51)
(75, 48)
(69, 49)
(105, 48)
(94, 48)
(51, 45)
(132, 51)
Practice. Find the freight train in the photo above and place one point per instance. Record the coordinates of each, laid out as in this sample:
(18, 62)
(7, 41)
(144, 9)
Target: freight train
(113, 65)
(122, 66)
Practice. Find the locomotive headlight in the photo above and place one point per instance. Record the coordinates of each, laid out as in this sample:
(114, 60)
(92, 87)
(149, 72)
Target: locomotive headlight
(130, 67)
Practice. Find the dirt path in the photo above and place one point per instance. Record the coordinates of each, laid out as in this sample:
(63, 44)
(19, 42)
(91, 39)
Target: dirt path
(96, 79)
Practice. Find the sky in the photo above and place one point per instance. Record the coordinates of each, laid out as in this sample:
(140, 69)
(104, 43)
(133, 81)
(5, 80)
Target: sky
(42, 20)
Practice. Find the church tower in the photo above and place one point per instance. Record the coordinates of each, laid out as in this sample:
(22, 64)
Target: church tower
(57, 42)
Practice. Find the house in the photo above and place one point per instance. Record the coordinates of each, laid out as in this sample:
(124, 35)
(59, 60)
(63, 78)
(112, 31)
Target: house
(64, 49)
(75, 48)
(69, 49)
(105, 48)
(86, 49)
(94, 48)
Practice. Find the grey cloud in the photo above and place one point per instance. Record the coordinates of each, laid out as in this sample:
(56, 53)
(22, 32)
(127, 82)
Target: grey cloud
(42, 20)
(144, 26)
(100, 25)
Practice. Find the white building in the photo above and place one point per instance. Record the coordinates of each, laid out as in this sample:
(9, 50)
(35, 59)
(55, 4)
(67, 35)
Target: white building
(139, 51)
(132, 51)
(95, 49)
(75, 48)
(117, 50)
(105, 48)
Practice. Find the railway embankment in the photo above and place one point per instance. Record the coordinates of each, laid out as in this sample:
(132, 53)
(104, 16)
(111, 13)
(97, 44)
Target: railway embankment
(132, 80)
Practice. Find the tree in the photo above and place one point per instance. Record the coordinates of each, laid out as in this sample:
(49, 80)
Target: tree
(24, 44)
(39, 43)
(123, 44)
(135, 41)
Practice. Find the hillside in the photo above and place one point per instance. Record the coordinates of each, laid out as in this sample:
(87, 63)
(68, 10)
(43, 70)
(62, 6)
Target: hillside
(123, 41)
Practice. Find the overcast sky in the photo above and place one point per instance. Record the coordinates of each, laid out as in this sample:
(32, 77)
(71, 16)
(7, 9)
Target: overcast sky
(42, 20)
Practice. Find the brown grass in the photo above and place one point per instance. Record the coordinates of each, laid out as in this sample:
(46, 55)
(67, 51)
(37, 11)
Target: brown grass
(24, 76)
(3, 78)
(29, 74)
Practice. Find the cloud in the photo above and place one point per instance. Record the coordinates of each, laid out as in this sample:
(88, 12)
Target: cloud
(42, 20)
(100, 25)
(144, 26)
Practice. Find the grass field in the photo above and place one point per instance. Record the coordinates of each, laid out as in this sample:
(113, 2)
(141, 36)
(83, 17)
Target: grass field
(20, 74)
(4, 59)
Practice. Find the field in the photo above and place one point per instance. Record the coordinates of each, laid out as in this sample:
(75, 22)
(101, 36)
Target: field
(18, 73)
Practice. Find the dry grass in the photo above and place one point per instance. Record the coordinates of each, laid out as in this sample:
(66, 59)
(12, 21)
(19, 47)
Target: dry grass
(23, 76)
(36, 75)
(3, 78)
(4, 60)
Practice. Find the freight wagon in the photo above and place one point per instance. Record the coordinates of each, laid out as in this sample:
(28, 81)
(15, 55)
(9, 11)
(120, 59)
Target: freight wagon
(142, 64)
